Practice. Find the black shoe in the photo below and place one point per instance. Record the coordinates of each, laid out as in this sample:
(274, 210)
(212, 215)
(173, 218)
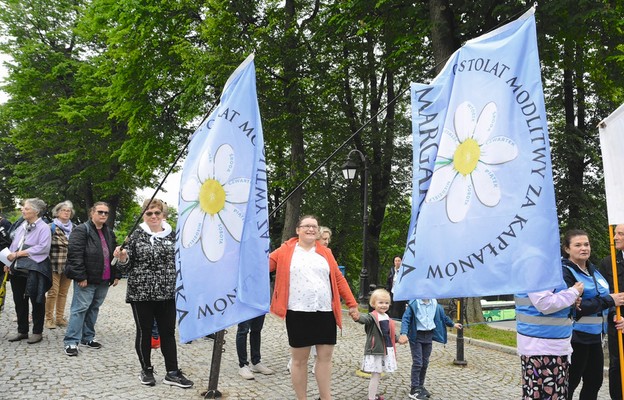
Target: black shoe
(147, 376)
(176, 378)
(414, 393)
(92, 345)
(71, 350)
(424, 392)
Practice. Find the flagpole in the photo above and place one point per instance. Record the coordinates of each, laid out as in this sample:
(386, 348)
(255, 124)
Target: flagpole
(175, 162)
(616, 289)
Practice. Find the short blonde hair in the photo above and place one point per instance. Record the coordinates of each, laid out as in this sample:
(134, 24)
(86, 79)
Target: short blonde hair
(157, 203)
(379, 293)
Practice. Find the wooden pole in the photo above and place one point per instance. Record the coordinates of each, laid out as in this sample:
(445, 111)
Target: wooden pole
(616, 289)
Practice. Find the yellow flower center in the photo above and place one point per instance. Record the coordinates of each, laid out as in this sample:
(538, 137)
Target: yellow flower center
(467, 156)
(211, 197)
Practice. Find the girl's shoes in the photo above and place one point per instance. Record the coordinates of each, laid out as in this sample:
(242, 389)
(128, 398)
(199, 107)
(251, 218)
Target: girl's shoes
(155, 342)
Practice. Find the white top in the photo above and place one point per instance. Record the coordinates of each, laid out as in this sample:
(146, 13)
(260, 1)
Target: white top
(310, 288)
(394, 279)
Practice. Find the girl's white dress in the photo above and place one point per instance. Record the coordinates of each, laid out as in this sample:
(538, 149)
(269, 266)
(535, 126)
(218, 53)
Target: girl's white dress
(381, 363)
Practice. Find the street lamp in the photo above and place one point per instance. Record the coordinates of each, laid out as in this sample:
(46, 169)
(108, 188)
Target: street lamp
(349, 171)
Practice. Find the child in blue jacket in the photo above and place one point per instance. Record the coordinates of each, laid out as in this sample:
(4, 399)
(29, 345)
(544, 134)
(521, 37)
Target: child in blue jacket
(423, 321)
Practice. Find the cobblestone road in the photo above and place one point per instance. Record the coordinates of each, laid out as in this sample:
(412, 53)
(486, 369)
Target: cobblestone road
(43, 371)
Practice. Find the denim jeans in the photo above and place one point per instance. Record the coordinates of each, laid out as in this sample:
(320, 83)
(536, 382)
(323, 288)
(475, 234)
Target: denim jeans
(84, 312)
(421, 350)
(255, 326)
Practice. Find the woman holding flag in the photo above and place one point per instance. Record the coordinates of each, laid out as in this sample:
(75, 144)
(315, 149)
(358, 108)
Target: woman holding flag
(590, 316)
(308, 287)
(149, 261)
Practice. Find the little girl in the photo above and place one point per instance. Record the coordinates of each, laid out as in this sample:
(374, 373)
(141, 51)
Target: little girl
(379, 350)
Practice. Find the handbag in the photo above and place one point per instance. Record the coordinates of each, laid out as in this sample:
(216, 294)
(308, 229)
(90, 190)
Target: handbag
(25, 263)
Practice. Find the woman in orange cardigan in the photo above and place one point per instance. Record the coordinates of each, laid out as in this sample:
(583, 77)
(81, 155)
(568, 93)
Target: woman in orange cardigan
(308, 287)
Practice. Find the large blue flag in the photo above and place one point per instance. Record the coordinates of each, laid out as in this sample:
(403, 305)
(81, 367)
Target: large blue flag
(484, 220)
(223, 233)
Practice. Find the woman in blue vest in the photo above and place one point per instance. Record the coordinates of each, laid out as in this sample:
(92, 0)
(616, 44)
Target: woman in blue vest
(544, 328)
(590, 320)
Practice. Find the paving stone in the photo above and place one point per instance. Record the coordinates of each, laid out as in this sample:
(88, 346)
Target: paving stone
(43, 371)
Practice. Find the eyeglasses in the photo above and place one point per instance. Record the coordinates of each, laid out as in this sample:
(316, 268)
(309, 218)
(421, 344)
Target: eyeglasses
(150, 213)
(313, 227)
(102, 212)
(65, 210)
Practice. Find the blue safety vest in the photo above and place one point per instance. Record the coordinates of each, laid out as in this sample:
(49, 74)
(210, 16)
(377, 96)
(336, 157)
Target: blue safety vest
(595, 286)
(531, 322)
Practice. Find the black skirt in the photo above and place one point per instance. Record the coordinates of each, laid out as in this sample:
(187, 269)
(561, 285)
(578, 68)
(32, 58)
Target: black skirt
(310, 328)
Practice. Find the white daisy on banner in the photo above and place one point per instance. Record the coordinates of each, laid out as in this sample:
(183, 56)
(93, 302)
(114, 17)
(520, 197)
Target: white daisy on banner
(214, 198)
(464, 159)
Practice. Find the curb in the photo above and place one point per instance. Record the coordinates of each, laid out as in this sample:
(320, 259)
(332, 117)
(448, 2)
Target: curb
(502, 348)
(486, 345)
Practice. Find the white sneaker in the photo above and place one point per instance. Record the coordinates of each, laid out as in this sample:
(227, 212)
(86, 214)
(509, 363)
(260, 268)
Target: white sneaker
(289, 365)
(313, 366)
(246, 373)
(261, 369)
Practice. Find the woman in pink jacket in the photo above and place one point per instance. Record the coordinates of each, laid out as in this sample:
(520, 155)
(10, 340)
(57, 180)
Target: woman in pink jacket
(308, 287)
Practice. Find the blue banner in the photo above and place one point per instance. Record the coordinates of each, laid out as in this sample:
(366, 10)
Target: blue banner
(484, 219)
(223, 232)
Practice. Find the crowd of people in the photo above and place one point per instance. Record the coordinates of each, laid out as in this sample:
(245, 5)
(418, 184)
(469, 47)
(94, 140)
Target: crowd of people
(44, 258)
(559, 332)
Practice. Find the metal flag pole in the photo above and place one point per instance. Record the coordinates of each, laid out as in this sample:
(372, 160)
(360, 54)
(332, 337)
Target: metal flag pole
(175, 162)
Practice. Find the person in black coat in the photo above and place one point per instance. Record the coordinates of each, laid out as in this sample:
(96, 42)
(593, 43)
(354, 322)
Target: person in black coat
(5, 227)
(89, 264)
(397, 308)
(606, 269)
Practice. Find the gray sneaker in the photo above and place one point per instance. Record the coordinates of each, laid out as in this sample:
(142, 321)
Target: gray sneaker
(246, 373)
(261, 368)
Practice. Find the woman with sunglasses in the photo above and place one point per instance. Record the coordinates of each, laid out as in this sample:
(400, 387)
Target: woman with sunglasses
(89, 257)
(149, 260)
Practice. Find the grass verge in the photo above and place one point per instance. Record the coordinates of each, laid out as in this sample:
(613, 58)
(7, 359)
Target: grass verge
(492, 335)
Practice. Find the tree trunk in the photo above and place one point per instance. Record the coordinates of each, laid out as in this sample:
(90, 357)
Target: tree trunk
(292, 100)
(443, 38)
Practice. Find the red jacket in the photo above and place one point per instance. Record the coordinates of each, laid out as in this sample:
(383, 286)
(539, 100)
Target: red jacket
(279, 261)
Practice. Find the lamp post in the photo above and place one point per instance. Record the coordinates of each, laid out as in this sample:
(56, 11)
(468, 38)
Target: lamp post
(349, 171)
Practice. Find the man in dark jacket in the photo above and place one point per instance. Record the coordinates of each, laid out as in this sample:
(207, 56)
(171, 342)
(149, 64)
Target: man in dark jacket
(606, 269)
(89, 258)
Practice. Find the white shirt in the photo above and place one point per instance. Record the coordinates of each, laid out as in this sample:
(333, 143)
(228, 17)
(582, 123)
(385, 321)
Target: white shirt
(310, 288)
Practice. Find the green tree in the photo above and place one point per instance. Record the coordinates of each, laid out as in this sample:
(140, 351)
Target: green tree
(66, 146)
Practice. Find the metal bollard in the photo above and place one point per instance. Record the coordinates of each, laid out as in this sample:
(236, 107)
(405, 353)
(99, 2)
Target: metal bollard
(459, 357)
